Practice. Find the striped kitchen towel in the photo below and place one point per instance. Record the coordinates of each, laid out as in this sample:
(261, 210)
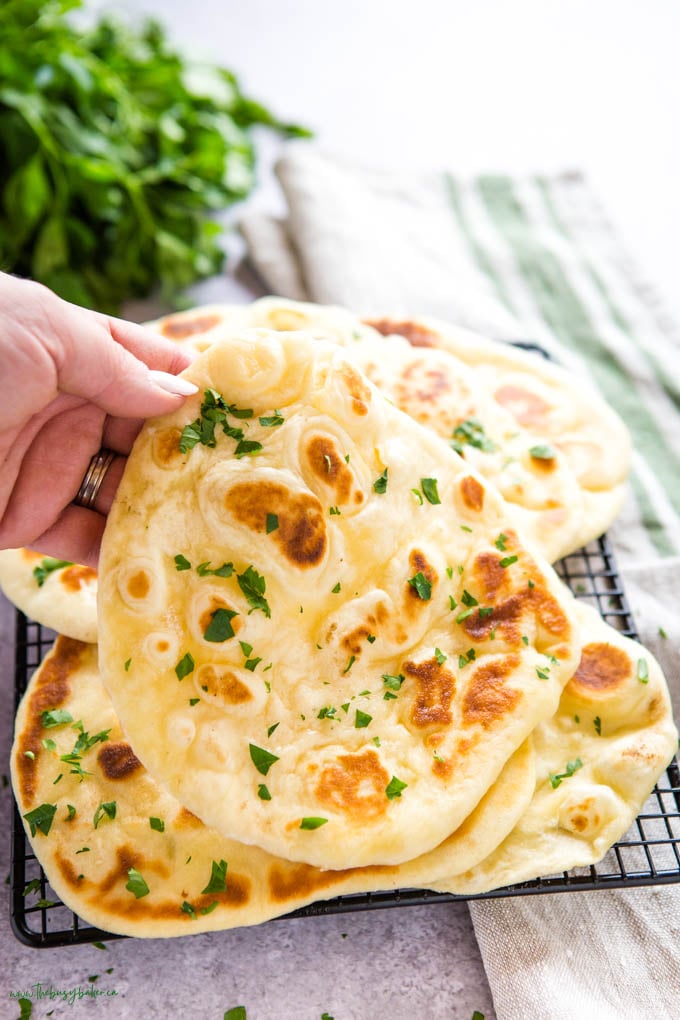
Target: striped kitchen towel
(524, 259)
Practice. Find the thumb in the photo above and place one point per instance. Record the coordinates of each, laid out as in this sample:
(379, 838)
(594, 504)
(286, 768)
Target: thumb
(124, 369)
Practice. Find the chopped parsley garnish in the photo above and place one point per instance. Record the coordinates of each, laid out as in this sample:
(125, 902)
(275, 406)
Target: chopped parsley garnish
(543, 452)
(530, 583)
(55, 717)
(418, 495)
(525, 639)
(263, 793)
(107, 808)
(220, 628)
(186, 908)
(235, 1013)
(83, 850)
(452, 603)
(271, 421)
(31, 886)
(272, 523)
(194, 701)
(261, 759)
(185, 665)
(245, 648)
(394, 788)
(205, 570)
(380, 484)
(334, 511)
(352, 659)
(30, 754)
(543, 674)
(662, 633)
(45, 568)
(485, 611)
(362, 720)
(312, 822)
(157, 824)
(464, 527)
(41, 818)
(471, 433)
(370, 638)
(182, 563)
(507, 561)
(571, 767)
(336, 589)
(643, 671)
(271, 729)
(127, 664)
(464, 615)
(327, 712)
(467, 599)
(597, 723)
(500, 542)
(429, 487)
(253, 586)
(422, 586)
(468, 657)
(252, 664)
(247, 448)
(71, 812)
(439, 656)
(218, 878)
(136, 884)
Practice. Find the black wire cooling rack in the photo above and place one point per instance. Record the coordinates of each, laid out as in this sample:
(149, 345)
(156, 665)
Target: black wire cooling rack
(649, 853)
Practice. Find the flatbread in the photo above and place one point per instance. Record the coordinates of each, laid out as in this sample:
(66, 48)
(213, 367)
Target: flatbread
(556, 452)
(271, 672)
(615, 725)
(544, 398)
(163, 842)
(61, 597)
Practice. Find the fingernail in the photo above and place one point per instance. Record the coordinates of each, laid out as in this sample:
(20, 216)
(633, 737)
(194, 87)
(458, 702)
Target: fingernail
(173, 383)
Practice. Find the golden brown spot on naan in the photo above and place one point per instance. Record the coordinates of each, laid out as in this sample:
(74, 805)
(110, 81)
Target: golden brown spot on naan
(434, 690)
(176, 328)
(487, 699)
(526, 407)
(138, 586)
(216, 602)
(472, 492)
(118, 760)
(290, 881)
(301, 534)
(603, 668)
(354, 642)
(417, 335)
(505, 619)
(73, 578)
(442, 768)
(126, 857)
(545, 465)
(422, 385)
(30, 555)
(226, 686)
(327, 464)
(186, 819)
(165, 446)
(355, 785)
(69, 873)
(419, 564)
(357, 389)
(51, 690)
(490, 578)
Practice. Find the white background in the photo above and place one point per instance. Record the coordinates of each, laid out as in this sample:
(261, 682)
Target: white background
(474, 85)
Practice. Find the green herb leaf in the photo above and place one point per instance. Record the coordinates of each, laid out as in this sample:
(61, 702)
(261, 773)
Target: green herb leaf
(263, 793)
(136, 884)
(41, 818)
(471, 433)
(507, 561)
(247, 448)
(55, 717)
(380, 484)
(205, 570)
(253, 586)
(185, 666)
(571, 767)
(429, 487)
(220, 628)
(362, 720)
(182, 563)
(107, 808)
(312, 823)
(422, 586)
(543, 452)
(187, 908)
(218, 878)
(597, 723)
(49, 564)
(394, 788)
(643, 671)
(71, 812)
(467, 599)
(440, 656)
(271, 421)
(261, 759)
(272, 523)
(501, 541)
(157, 824)
(236, 1013)
(336, 589)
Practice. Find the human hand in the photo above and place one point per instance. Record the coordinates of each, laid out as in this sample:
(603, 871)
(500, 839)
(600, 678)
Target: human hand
(73, 381)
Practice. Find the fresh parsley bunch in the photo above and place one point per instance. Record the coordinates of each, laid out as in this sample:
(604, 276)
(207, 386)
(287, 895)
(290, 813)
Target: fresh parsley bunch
(113, 149)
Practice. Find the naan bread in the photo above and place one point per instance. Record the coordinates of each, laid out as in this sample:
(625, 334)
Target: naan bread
(367, 659)
(597, 760)
(524, 423)
(544, 398)
(61, 596)
(164, 843)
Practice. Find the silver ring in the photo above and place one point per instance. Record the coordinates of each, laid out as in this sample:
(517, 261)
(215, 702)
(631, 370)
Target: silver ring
(93, 478)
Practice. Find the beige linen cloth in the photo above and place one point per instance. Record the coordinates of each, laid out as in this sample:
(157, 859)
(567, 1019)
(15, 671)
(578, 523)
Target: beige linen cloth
(531, 258)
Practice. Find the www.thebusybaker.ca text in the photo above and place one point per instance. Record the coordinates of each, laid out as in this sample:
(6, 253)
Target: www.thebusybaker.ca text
(39, 991)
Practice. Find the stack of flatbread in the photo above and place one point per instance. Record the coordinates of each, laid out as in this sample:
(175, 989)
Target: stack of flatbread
(333, 656)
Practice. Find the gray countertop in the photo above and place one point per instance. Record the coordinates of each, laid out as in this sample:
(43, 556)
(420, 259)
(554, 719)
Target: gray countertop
(396, 964)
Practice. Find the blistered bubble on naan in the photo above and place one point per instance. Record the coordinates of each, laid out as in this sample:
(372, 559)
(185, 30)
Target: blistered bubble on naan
(126, 857)
(325, 585)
